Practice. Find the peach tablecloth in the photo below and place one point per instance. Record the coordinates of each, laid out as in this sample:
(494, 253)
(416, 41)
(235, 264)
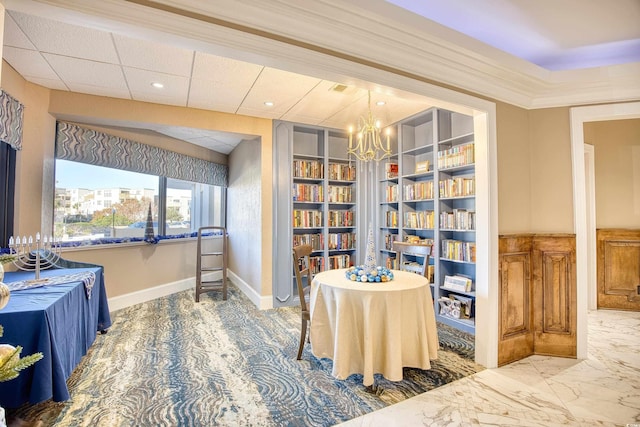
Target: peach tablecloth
(369, 328)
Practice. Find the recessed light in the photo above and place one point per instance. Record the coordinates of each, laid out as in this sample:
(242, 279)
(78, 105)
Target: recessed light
(380, 103)
(268, 103)
(157, 85)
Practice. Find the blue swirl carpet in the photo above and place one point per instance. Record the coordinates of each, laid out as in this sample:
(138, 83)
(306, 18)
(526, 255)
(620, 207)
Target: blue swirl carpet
(174, 362)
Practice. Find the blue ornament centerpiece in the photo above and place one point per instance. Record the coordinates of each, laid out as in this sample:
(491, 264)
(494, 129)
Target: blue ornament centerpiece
(361, 274)
(369, 272)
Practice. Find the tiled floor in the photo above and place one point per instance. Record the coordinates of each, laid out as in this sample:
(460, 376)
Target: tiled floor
(603, 390)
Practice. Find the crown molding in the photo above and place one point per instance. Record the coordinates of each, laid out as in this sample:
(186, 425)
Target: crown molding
(334, 39)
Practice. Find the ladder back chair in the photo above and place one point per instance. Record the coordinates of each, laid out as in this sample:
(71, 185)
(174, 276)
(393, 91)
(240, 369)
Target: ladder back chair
(303, 277)
(405, 248)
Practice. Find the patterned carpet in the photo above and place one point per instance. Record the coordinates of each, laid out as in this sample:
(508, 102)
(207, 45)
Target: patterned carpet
(174, 362)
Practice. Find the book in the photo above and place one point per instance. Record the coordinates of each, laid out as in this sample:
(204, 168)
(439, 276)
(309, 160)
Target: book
(422, 167)
(458, 283)
(392, 170)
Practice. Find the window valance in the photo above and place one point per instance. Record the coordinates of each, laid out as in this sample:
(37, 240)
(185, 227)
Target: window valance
(85, 145)
(11, 114)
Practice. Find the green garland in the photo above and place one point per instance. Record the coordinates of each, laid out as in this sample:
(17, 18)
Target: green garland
(12, 364)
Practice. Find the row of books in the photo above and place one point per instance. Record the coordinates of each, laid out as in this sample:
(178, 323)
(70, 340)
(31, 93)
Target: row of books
(458, 251)
(307, 193)
(417, 240)
(315, 240)
(339, 194)
(388, 241)
(308, 169)
(456, 156)
(458, 187)
(458, 219)
(419, 219)
(391, 218)
(340, 218)
(391, 193)
(419, 191)
(341, 241)
(307, 218)
(317, 264)
(342, 172)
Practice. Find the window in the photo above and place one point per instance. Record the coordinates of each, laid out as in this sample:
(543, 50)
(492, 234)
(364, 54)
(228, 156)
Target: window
(95, 202)
(7, 189)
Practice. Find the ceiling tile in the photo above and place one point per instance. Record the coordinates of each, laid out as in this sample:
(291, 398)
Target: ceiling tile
(283, 88)
(140, 81)
(65, 39)
(13, 35)
(90, 73)
(29, 63)
(222, 70)
(99, 91)
(218, 96)
(149, 55)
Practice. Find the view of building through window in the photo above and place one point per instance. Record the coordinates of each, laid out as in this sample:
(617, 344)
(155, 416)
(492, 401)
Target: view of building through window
(94, 202)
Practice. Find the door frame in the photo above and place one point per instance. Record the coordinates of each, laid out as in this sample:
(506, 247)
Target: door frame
(579, 116)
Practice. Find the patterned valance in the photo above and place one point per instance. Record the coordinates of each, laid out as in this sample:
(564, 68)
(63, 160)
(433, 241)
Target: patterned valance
(11, 113)
(89, 146)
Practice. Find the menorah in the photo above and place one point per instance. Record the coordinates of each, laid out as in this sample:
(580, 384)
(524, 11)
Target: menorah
(35, 254)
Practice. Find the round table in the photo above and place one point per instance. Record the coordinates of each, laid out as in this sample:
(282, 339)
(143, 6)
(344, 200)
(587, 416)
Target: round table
(369, 328)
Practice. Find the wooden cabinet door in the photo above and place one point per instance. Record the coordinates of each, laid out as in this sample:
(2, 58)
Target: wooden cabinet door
(619, 269)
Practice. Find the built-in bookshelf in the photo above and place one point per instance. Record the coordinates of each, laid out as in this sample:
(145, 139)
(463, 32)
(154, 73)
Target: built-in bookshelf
(432, 201)
(320, 209)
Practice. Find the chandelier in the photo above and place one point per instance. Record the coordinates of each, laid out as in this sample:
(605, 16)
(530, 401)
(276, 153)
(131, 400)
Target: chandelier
(368, 145)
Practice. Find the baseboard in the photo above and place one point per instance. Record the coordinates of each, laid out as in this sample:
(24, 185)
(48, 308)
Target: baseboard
(144, 295)
(262, 302)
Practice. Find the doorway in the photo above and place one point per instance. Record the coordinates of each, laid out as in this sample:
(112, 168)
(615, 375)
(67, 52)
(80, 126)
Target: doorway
(579, 116)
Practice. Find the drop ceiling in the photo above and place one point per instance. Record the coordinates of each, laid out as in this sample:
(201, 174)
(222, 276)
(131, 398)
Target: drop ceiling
(94, 47)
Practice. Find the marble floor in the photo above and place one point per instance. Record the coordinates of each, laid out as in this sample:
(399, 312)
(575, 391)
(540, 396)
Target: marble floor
(603, 390)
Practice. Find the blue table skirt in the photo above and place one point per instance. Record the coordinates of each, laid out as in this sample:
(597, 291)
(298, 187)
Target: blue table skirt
(57, 320)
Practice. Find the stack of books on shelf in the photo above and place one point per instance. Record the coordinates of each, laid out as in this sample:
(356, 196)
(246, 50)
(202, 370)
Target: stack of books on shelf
(457, 250)
(315, 240)
(458, 187)
(458, 283)
(456, 156)
(420, 219)
(316, 264)
(458, 219)
(308, 169)
(419, 191)
(388, 241)
(391, 193)
(391, 219)
(307, 218)
(341, 172)
(339, 194)
(339, 261)
(307, 193)
(341, 241)
(340, 218)
(417, 240)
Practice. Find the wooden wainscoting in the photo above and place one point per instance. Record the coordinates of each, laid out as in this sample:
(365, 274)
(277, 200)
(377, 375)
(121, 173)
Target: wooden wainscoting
(537, 296)
(618, 254)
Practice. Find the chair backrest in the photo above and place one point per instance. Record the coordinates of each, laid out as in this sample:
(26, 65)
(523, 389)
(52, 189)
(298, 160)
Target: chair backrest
(301, 269)
(413, 249)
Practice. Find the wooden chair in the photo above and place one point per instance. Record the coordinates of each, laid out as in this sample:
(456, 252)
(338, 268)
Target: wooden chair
(301, 268)
(404, 248)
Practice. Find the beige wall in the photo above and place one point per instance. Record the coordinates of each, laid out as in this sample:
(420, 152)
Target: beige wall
(551, 171)
(243, 220)
(617, 171)
(514, 169)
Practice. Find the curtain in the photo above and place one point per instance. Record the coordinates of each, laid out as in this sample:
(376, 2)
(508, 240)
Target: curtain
(7, 192)
(11, 114)
(85, 145)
